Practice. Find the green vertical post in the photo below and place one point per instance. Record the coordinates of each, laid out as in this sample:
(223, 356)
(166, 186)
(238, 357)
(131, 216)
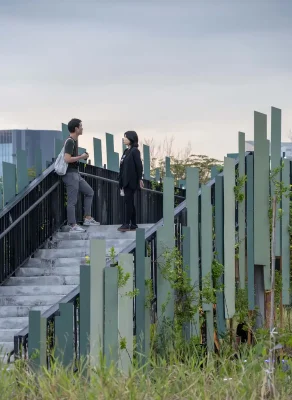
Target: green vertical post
(38, 162)
(286, 236)
(65, 132)
(97, 267)
(275, 164)
(229, 237)
(148, 292)
(82, 150)
(165, 242)
(261, 196)
(111, 318)
(9, 182)
(157, 174)
(192, 202)
(1, 198)
(250, 230)
(241, 211)
(207, 257)
(37, 343)
(214, 171)
(84, 327)
(146, 160)
(110, 151)
(116, 161)
(123, 146)
(186, 266)
(97, 152)
(167, 167)
(58, 146)
(140, 284)
(22, 170)
(64, 334)
(219, 247)
(125, 314)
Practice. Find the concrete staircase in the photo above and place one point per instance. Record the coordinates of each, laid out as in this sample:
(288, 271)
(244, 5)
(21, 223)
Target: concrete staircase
(50, 275)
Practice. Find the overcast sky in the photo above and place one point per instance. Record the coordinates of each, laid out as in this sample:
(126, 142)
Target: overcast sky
(189, 68)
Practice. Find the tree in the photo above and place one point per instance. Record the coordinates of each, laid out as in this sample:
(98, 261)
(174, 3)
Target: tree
(179, 160)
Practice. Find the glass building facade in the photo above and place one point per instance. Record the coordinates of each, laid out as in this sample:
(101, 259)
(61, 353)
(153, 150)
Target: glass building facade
(29, 140)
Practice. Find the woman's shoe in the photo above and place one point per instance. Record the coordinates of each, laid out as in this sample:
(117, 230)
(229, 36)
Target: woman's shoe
(133, 227)
(124, 228)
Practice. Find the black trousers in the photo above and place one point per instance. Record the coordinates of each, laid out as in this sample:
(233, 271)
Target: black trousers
(130, 210)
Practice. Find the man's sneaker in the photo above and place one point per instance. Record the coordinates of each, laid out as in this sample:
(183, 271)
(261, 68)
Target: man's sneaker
(124, 228)
(133, 227)
(90, 222)
(76, 228)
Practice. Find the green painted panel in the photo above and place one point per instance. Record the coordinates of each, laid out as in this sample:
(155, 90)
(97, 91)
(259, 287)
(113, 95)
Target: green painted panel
(219, 247)
(182, 183)
(192, 184)
(1, 197)
(250, 231)
(97, 267)
(157, 175)
(210, 330)
(241, 211)
(82, 150)
(168, 204)
(214, 171)
(286, 237)
(275, 163)
(37, 327)
(64, 334)
(9, 182)
(167, 167)
(58, 146)
(38, 162)
(146, 161)
(84, 328)
(148, 311)
(140, 285)
(229, 237)
(111, 318)
(116, 160)
(65, 132)
(125, 308)
(206, 239)
(261, 196)
(22, 170)
(186, 265)
(97, 152)
(110, 151)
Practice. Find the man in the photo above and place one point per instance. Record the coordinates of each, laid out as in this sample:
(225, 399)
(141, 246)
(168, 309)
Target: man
(73, 180)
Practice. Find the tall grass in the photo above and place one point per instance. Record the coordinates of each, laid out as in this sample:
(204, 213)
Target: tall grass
(214, 377)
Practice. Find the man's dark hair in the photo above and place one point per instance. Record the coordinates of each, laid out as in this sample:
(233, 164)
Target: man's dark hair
(133, 137)
(74, 123)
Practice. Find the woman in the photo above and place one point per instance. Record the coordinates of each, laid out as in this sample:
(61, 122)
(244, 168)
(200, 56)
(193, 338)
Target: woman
(130, 179)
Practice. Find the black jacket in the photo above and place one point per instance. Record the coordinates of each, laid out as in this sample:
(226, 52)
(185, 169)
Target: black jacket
(131, 169)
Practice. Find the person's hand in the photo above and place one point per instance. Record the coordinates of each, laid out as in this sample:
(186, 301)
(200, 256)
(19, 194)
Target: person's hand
(84, 156)
(141, 184)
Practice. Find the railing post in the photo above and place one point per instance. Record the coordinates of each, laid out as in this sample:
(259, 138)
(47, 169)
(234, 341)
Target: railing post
(37, 343)
(64, 334)
(111, 318)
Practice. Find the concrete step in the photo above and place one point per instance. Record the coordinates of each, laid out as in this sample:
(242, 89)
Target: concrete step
(6, 335)
(58, 271)
(43, 281)
(36, 290)
(50, 254)
(5, 347)
(19, 311)
(78, 243)
(55, 263)
(13, 322)
(34, 300)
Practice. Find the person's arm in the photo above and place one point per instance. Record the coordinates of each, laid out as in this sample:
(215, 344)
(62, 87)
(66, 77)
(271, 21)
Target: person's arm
(139, 165)
(69, 147)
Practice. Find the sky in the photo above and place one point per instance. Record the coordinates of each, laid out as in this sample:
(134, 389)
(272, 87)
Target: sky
(189, 69)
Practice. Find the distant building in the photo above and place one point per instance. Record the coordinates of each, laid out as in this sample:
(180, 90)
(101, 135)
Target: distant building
(286, 147)
(29, 140)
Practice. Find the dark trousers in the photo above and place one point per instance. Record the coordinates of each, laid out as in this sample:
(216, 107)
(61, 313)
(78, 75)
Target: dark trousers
(130, 210)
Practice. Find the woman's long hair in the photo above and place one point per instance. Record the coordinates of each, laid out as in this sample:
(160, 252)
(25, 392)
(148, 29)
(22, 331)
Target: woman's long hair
(133, 137)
